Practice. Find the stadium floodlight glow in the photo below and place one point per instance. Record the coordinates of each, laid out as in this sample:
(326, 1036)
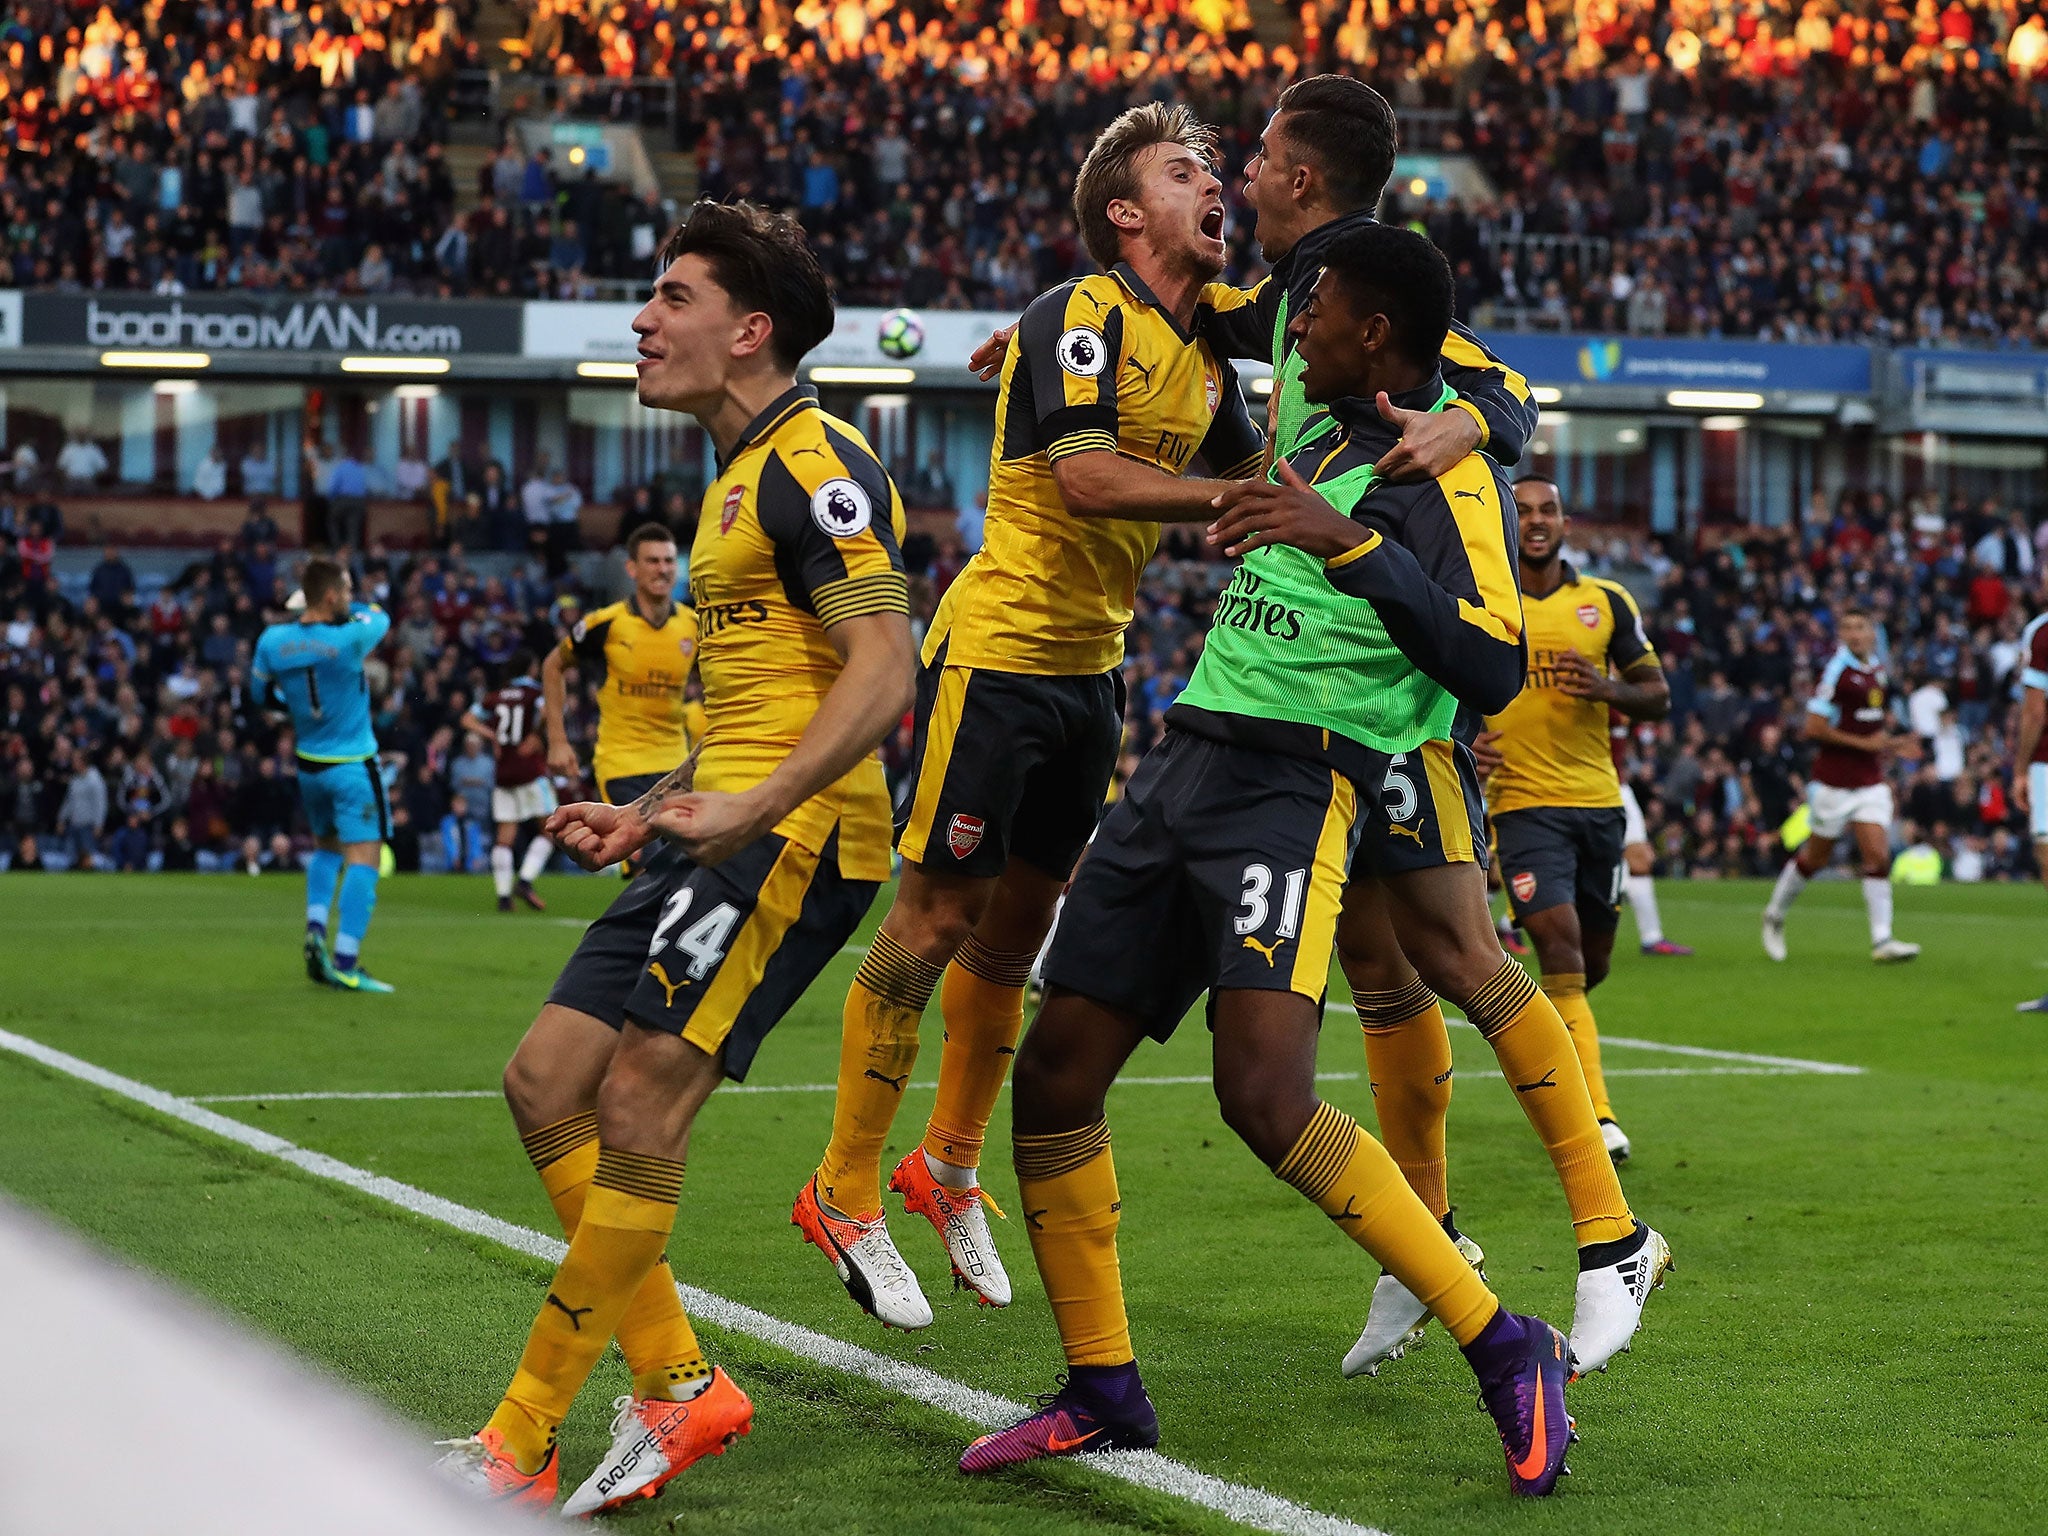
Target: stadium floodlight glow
(824, 375)
(607, 370)
(1722, 423)
(155, 360)
(1543, 394)
(1714, 400)
(177, 386)
(417, 392)
(1262, 386)
(395, 365)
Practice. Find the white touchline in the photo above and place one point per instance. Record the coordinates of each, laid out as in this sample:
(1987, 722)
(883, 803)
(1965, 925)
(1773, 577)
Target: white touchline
(1789, 1063)
(1251, 1507)
(347, 1095)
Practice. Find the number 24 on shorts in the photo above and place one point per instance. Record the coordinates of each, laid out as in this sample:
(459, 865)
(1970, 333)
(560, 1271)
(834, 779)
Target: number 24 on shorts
(703, 942)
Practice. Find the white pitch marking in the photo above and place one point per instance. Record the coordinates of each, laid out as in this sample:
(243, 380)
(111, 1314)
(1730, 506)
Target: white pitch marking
(1252, 1507)
(1790, 1064)
(348, 1096)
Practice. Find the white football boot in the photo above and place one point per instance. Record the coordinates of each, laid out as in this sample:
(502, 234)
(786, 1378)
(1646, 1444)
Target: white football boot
(1609, 1307)
(865, 1260)
(1616, 1141)
(1774, 936)
(654, 1439)
(1395, 1322)
(962, 1224)
(1892, 951)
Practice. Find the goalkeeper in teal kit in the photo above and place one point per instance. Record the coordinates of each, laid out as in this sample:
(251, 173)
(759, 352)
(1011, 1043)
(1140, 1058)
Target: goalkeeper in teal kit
(313, 668)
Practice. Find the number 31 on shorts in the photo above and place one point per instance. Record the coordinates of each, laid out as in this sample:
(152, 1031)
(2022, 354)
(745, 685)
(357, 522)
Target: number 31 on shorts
(703, 943)
(1258, 881)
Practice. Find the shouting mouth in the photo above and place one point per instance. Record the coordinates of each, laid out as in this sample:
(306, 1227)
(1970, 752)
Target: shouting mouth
(1212, 223)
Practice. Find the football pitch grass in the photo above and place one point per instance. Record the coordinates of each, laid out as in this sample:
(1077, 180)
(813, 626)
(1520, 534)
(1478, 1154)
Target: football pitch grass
(1853, 1339)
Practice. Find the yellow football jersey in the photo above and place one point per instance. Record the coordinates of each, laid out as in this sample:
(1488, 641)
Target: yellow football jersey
(642, 725)
(1555, 749)
(1095, 364)
(801, 530)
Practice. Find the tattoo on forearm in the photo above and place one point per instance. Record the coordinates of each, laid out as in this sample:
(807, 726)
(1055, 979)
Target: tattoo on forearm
(671, 785)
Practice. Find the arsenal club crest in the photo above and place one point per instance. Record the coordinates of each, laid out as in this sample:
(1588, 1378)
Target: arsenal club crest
(1589, 616)
(1524, 886)
(963, 834)
(733, 499)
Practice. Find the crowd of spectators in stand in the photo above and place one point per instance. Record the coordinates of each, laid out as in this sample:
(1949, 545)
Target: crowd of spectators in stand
(129, 737)
(1744, 626)
(1801, 169)
(128, 734)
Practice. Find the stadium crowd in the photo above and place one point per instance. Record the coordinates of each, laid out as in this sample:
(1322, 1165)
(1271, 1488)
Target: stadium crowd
(1801, 169)
(128, 735)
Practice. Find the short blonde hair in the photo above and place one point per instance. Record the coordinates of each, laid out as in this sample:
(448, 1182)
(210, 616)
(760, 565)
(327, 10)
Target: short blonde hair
(1110, 173)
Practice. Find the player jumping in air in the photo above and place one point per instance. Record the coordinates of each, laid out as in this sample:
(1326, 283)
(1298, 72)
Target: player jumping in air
(1229, 854)
(1416, 924)
(1847, 720)
(1108, 394)
(313, 667)
(806, 662)
(509, 717)
(1558, 820)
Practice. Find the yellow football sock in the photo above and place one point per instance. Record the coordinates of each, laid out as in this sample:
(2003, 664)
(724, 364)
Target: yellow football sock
(1353, 1182)
(982, 1001)
(1408, 1058)
(1567, 993)
(655, 1335)
(1067, 1182)
(877, 1049)
(626, 1220)
(1536, 1056)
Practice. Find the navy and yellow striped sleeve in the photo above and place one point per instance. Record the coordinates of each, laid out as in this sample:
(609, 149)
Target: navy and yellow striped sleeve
(1491, 393)
(1070, 344)
(1233, 447)
(837, 523)
(1448, 596)
(584, 645)
(1239, 322)
(1629, 646)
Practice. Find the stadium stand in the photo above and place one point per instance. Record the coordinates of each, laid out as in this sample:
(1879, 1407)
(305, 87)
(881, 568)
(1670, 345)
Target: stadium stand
(1646, 161)
(128, 737)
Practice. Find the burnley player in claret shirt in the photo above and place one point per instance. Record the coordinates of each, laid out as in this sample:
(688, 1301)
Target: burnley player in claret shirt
(510, 717)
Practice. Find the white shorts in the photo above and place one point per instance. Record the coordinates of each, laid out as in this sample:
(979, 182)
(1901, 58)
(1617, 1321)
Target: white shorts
(1833, 809)
(529, 802)
(1632, 829)
(2037, 800)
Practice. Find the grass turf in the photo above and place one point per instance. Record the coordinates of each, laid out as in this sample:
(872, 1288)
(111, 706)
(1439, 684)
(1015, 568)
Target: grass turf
(1852, 1340)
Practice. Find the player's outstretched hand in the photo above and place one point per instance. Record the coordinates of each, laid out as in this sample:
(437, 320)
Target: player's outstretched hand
(596, 835)
(1486, 753)
(1577, 677)
(1432, 442)
(712, 826)
(986, 361)
(1259, 512)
